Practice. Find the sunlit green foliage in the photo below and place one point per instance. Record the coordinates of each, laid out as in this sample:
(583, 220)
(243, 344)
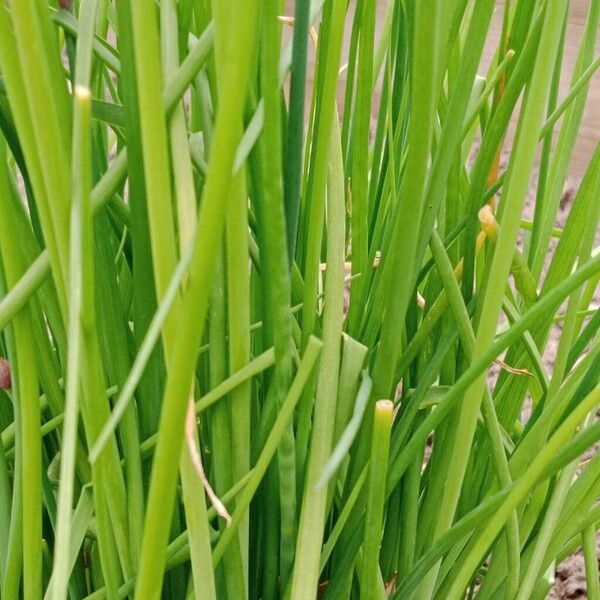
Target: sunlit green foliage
(270, 323)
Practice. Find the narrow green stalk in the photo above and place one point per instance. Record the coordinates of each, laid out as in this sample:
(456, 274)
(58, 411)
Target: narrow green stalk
(5, 514)
(575, 90)
(318, 180)
(25, 381)
(343, 518)
(312, 515)
(221, 426)
(591, 563)
(80, 264)
(382, 425)
(44, 94)
(80, 259)
(360, 164)
(32, 461)
(238, 289)
(198, 529)
(154, 146)
(292, 164)
(410, 488)
(275, 274)
(14, 80)
(23, 289)
(184, 192)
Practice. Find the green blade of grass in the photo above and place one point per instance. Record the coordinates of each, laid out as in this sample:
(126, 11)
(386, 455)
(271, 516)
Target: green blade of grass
(384, 411)
(360, 163)
(312, 514)
(28, 519)
(591, 563)
(292, 174)
(275, 274)
(79, 264)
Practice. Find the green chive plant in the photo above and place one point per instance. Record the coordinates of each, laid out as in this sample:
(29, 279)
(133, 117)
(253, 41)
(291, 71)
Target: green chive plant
(247, 331)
